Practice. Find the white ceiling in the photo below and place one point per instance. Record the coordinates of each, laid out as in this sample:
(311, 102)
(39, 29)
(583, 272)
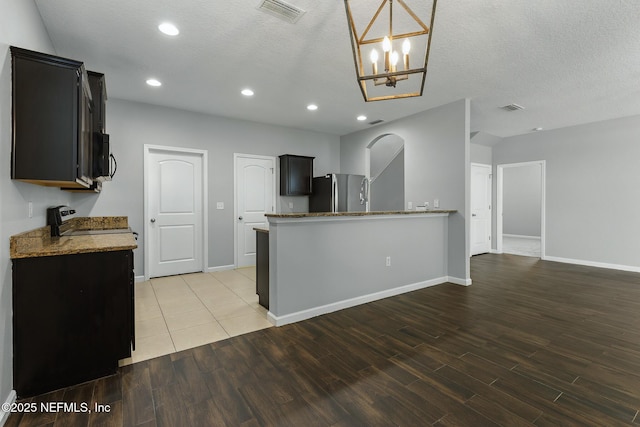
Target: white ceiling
(568, 62)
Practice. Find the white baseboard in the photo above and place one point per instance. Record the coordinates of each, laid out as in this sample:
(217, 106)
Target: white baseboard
(458, 281)
(593, 264)
(4, 415)
(495, 251)
(221, 268)
(520, 236)
(352, 302)
(139, 279)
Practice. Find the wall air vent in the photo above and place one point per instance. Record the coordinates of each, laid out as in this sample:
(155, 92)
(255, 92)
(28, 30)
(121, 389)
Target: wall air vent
(375, 122)
(512, 107)
(282, 9)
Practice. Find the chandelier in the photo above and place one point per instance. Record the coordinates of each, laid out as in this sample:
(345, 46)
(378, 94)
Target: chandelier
(379, 42)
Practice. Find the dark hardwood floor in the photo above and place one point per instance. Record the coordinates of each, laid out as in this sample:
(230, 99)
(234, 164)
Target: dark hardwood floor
(529, 343)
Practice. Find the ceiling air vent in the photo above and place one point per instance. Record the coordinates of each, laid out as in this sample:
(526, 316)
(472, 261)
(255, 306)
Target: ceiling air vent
(375, 122)
(282, 9)
(512, 107)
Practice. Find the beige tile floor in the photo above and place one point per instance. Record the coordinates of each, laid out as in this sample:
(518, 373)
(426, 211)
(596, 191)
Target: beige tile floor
(179, 312)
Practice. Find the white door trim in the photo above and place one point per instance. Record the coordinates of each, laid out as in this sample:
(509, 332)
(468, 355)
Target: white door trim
(235, 195)
(484, 165)
(148, 148)
(543, 197)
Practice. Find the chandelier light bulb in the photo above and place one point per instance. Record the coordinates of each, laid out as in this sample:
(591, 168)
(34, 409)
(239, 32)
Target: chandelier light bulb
(374, 61)
(386, 44)
(406, 46)
(374, 56)
(394, 58)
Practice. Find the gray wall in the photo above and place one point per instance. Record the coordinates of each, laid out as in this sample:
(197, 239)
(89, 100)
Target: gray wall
(592, 188)
(387, 190)
(355, 268)
(521, 200)
(20, 25)
(481, 154)
(131, 125)
(436, 166)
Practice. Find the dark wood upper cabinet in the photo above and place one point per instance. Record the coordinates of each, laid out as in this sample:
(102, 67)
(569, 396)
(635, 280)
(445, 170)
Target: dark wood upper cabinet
(296, 174)
(52, 108)
(99, 95)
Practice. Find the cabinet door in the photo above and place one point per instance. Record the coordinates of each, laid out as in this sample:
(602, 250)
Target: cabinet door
(99, 96)
(45, 112)
(262, 268)
(52, 120)
(295, 175)
(71, 319)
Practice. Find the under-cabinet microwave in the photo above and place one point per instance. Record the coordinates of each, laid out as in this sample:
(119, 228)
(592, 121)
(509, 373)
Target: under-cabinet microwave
(102, 158)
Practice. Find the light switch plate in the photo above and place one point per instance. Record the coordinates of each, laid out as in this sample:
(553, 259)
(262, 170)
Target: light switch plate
(409, 205)
(436, 203)
(220, 205)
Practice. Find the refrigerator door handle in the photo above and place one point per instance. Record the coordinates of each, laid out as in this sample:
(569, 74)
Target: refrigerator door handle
(334, 193)
(364, 191)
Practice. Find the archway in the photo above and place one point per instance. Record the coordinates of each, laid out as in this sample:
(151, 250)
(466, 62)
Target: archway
(385, 169)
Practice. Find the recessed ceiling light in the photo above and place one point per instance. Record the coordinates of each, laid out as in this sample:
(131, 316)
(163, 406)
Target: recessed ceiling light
(312, 107)
(247, 92)
(537, 129)
(169, 29)
(362, 118)
(154, 82)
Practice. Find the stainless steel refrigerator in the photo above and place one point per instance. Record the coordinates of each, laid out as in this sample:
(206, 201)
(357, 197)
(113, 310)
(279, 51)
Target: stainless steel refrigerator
(339, 192)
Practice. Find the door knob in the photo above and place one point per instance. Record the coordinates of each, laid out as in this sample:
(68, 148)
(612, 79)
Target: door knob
(239, 218)
(153, 220)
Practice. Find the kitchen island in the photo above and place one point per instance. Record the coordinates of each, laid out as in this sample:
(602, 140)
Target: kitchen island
(323, 262)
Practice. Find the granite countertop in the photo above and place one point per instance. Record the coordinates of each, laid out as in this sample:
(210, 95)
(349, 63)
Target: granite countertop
(38, 242)
(321, 214)
(261, 229)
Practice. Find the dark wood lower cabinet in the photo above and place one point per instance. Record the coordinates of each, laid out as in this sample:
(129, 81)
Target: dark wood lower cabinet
(73, 318)
(262, 267)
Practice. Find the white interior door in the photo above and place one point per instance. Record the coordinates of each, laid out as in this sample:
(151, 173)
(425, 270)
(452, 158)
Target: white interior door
(174, 211)
(480, 208)
(255, 196)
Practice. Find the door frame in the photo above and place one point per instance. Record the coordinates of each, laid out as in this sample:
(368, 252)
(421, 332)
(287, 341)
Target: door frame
(484, 165)
(500, 202)
(203, 154)
(236, 156)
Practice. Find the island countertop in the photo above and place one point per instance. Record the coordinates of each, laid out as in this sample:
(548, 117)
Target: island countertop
(337, 214)
(39, 243)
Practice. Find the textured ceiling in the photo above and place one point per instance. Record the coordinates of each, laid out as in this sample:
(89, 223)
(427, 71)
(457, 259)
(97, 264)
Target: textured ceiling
(568, 62)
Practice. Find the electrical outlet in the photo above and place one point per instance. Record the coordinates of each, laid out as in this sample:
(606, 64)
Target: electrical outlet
(220, 205)
(436, 203)
(426, 205)
(290, 205)
(388, 262)
(409, 205)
